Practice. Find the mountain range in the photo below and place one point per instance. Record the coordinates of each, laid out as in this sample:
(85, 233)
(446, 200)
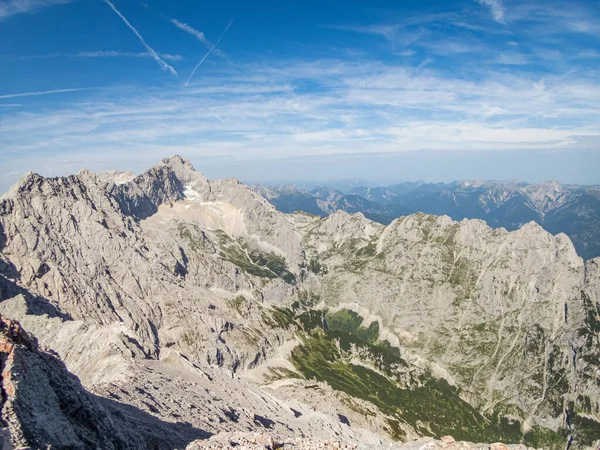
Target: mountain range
(570, 209)
(156, 310)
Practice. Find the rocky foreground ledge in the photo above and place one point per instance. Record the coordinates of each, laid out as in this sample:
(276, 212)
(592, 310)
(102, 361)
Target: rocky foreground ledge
(265, 441)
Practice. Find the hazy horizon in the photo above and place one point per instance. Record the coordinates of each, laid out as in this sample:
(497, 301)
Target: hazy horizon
(379, 169)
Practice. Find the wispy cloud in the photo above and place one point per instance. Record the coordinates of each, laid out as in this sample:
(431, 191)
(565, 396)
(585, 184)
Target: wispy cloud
(496, 8)
(12, 7)
(386, 31)
(10, 105)
(208, 52)
(198, 35)
(150, 50)
(357, 107)
(512, 59)
(31, 94)
(589, 54)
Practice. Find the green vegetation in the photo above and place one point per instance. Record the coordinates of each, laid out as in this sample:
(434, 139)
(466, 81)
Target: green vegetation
(279, 317)
(429, 405)
(263, 265)
(311, 320)
(350, 322)
(240, 305)
(587, 431)
(591, 327)
(394, 430)
(352, 404)
(315, 266)
(253, 336)
(274, 263)
(190, 338)
(434, 407)
(192, 233)
(539, 437)
(557, 382)
(359, 256)
(305, 300)
(368, 251)
(280, 373)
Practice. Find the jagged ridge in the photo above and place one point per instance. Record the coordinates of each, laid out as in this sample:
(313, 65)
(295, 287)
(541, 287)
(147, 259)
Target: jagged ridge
(170, 276)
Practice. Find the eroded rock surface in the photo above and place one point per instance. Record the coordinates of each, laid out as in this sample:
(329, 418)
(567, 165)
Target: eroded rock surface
(45, 406)
(187, 301)
(265, 441)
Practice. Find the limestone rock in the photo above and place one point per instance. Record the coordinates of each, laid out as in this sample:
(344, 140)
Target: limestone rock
(182, 298)
(44, 406)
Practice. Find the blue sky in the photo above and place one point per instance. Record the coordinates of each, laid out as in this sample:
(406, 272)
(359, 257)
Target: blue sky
(465, 89)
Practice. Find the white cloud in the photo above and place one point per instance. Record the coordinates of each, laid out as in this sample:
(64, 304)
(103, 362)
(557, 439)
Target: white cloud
(512, 59)
(589, 54)
(12, 7)
(361, 107)
(496, 8)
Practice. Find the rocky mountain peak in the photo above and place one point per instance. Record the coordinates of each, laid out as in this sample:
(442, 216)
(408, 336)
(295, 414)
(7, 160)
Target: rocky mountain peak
(177, 161)
(25, 184)
(116, 176)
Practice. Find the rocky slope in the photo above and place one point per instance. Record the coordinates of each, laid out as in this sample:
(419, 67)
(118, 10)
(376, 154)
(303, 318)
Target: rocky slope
(196, 302)
(43, 404)
(265, 441)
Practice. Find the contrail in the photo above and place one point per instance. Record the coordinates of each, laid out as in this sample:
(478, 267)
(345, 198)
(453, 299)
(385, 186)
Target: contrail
(102, 54)
(198, 35)
(29, 94)
(160, 62)
(185, 27)
(208, 52)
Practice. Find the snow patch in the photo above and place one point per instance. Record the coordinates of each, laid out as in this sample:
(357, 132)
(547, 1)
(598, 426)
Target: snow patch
(190, 193)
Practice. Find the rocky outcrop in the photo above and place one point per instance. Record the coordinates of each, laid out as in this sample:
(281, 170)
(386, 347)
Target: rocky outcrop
(44, 406)
(177, 299)
(265, 441)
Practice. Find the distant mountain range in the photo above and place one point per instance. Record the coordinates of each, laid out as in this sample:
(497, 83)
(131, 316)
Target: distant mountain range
(570, 209)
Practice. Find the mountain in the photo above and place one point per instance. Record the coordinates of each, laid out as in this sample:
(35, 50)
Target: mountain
(372, 210)
(381, 195)
(573, 210)
(181, 307)
(324, 201)
(288, 199)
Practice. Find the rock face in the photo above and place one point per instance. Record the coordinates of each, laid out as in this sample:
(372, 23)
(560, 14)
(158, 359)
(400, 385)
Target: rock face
(43, 405)
(265, 441)
(190, 307)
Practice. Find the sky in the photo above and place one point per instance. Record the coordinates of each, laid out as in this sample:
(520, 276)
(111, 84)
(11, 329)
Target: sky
(300, 90)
